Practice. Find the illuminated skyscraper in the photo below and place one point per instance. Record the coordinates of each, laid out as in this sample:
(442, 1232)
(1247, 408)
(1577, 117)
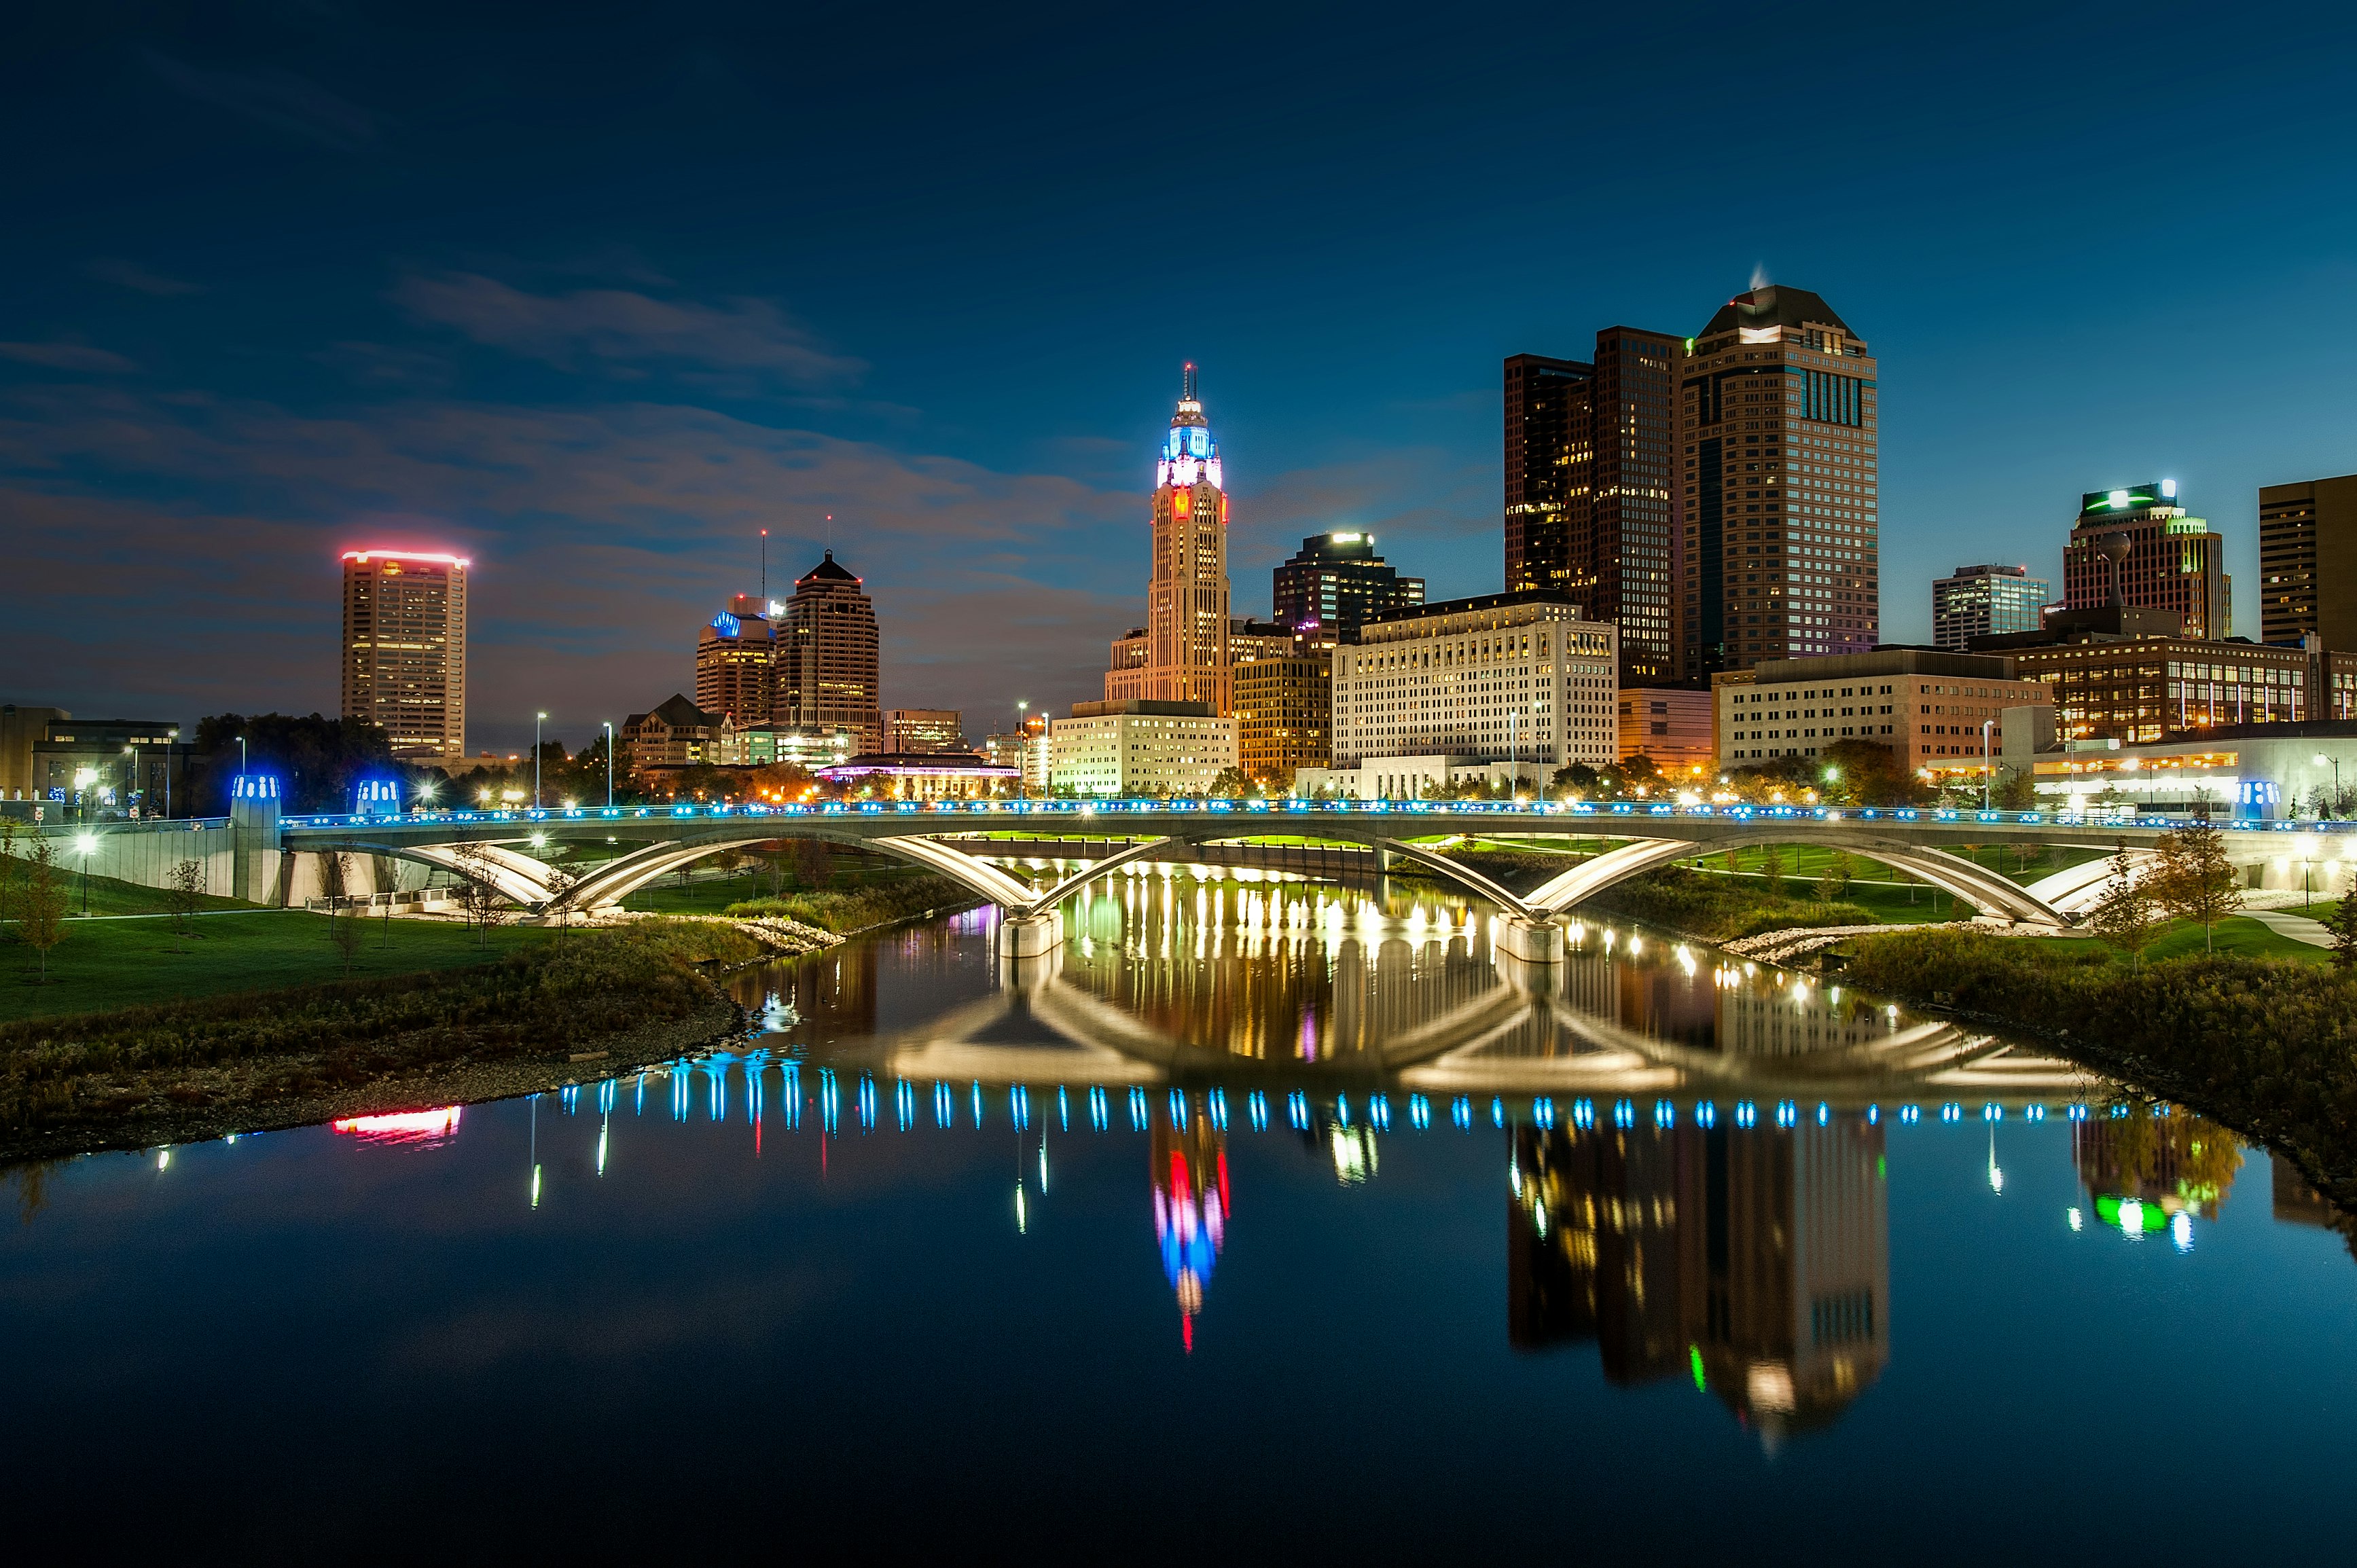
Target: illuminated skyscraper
(1779, 431)
(2172, 562)
(1591, 507)
(404, 655)
(735, 656)
(2308, 561)
(1985, 601)
(1186, 597)
(827, 657)
(1335, 582)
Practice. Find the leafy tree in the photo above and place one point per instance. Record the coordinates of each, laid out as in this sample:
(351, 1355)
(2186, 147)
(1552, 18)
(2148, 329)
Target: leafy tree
(319, 761)
(2125, 917)
(1231, 783)
(2194, 879)
(184, 892)
(2016, 792)
(2342, 923)
(41, 906)
(11, 873)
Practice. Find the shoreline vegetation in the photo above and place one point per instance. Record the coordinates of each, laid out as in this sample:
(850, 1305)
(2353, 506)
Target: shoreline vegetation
(2266, 1045)
(526, 1017)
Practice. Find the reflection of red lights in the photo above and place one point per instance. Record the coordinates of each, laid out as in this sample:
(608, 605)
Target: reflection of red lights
(403, 1126)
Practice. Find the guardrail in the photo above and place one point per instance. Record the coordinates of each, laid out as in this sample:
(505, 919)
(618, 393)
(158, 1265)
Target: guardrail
(1294, 809)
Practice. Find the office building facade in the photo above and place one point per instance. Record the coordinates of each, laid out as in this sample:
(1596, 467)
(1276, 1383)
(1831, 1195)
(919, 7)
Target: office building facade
(828, 655)
(939, 730)
(1285, 705)
(2137, 543)
(2308, 561)
(1782, 514)
(1670, 726)
(1520, 676)
(2146, 689)
(404, 653)
(736, 663)
(1924, 706)
(1985, 601)
(1187, 658)
(1140, 747)
(1335, 583)
(1591, 508)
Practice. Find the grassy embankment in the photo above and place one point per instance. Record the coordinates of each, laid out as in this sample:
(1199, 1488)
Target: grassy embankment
(845, 909)
(169, 1070)
(2265, 1046)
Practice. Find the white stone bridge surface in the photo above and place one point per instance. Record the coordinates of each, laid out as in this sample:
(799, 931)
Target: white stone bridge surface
(274, 858)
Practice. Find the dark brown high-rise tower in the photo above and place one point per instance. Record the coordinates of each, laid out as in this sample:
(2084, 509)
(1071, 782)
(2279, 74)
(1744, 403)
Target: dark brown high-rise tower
(1547, 468)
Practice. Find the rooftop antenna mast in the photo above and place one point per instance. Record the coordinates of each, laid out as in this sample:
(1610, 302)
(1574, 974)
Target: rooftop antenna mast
(764, 571)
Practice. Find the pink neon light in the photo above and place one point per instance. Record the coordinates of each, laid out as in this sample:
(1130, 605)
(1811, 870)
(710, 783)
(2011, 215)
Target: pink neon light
(403, 1126)
(363, 556)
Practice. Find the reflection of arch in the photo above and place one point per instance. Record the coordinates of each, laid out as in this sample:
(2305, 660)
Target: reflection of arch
(1951, 874)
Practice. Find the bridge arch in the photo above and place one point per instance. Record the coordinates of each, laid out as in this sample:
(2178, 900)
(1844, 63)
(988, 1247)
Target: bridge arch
(517, 877)
(1951, 874)
(620, 878)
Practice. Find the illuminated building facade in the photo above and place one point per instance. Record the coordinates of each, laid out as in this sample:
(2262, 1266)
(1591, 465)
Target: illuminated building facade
(2150, 688)
(2171, 562)
(924, 729)
(1782, 514)
(1591, 508)
(1335, 583)
(1518, 676)
(1985, 601)
(827, 657)
(673, 734)
(1670, 726)
(921, 776)
(1187, 658)
(1140, 747)
(404, 657)
(2308, 561)
(1925, 706)
(1283, 703)
(736, 663)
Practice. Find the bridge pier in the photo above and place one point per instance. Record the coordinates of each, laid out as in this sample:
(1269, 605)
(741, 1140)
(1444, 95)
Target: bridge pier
(1031, 936)
(1530, 940)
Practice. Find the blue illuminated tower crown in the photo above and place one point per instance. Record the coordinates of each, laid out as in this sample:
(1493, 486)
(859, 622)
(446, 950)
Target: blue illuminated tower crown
(1190, 453)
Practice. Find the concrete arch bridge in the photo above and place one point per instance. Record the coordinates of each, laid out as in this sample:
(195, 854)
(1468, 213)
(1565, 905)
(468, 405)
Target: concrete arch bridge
(940, 837)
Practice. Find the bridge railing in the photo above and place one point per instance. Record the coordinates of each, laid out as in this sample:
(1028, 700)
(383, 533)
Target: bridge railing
(1066, 811)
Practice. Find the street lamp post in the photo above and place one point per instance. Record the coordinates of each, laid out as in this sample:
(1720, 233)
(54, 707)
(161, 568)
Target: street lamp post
(171, 738)
(609, 762)
(536, 719)
(2332, 807)
(1987, 765)
(88, 844)
(131, 795)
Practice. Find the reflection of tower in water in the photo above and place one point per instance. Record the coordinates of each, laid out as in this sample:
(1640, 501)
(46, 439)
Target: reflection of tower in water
(1759, 1261)
(1189, 1170)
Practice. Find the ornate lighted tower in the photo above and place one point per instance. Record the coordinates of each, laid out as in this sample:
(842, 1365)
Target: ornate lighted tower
(1187, 616)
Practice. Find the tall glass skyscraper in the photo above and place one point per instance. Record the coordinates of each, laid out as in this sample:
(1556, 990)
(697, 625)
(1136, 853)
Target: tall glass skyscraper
(404, 654)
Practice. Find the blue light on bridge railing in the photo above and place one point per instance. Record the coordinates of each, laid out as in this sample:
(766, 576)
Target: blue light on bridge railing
(1460, 1110)
(1909, 1114)
(1497, 1113)
(1873, 1115)
(1542, 1113)
(1706, 1115)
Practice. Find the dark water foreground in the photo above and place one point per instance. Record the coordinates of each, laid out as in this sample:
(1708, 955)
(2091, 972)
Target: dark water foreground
(1667, 1261)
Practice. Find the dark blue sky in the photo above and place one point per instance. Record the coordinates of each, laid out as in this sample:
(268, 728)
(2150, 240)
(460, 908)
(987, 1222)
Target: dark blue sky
(593, 293)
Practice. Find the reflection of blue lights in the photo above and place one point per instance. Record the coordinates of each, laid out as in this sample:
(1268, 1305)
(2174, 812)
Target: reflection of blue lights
(1257, 1105)
(2181, 1230)
(1873, 1114)
(1787, 1113)
(2036, 1114)
(2077, 1113)
(570, 1098)
(1952, 1112)
(1178, 1111)
(1018, 1107)
(1218, 1105)
(1706, 1115)
(1136, 1110)
(1343, 1108)
(1063, 1112)
(1624, 1113)
(1098, 1112)
(605, 1096)
(1665, 1114)
(789, 1095)
(1460, 1112)
(1419, 1111)
(1824, 1112)
(904, 1104)
(1909, 1114)
(1297, 1106)
(1542, 1112)
(1498, 1112)
(1379, 1113)
(1992, 1111)
(1746, 1113)
(943, 1112)
(977, 1105)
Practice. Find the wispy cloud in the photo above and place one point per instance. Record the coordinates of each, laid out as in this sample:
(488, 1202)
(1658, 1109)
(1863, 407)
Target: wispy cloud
(139, 279)
(67, 356)
(623, 331)
(277, 98)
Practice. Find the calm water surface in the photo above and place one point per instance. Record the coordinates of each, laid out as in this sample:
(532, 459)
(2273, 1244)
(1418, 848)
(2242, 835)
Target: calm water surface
(1275, 1219)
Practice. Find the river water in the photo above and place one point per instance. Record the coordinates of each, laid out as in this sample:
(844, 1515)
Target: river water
(1274, 1218)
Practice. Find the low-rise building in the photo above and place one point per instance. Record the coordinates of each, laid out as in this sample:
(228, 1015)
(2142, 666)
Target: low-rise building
(110, 768)
(921, 776)
(770, 744)
(677, 734)
(1924, 705)
(1503, 678)
(2252, 770)
(1671, 727)
(1140, 747)
(1431, 777)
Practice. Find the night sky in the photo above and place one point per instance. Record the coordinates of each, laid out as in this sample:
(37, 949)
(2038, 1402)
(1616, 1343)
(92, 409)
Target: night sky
(591, 293)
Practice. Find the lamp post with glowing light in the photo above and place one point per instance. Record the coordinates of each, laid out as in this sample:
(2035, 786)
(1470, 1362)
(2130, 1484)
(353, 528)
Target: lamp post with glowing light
(1987, 766)
(132, 794)
(536, 721)
(2332, 807)
(88, 844)
(610, 761)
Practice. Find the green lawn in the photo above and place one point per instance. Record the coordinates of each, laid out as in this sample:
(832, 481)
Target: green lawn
(109, 897)
(2233, 935)
(103, 964)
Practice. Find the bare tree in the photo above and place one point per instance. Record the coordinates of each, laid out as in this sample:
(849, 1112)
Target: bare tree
(1835, 882)
(184, 893)
(477, 897)
(42, 906)
(12, 871)
(562, 880)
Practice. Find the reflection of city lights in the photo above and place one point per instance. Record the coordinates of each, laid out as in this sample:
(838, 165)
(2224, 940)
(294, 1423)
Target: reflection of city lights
(2181, 1230)
(2132, 1218)
(402, 1127)
(2078, 1220)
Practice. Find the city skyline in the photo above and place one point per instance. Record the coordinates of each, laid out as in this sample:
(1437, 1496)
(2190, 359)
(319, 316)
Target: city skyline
(315, 310)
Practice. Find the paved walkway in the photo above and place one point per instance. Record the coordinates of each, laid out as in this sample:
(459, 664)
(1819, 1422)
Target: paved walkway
(2299, 928)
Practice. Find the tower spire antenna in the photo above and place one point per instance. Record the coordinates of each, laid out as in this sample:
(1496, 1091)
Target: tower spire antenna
(1187, 382)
